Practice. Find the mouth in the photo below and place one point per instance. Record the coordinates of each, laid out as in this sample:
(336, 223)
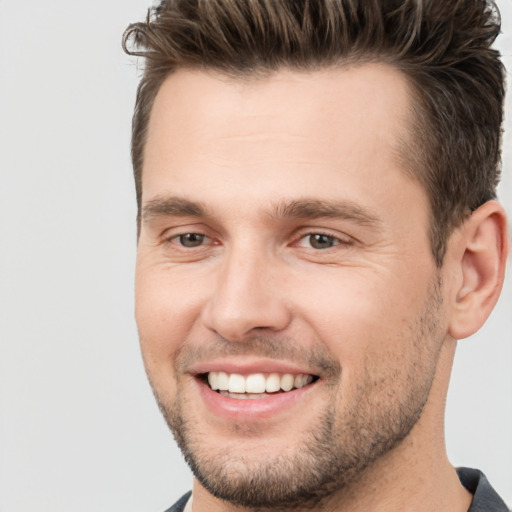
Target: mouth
(256, 385)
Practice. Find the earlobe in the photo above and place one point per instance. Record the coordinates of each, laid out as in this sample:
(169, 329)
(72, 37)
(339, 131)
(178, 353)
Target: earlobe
(482, 268)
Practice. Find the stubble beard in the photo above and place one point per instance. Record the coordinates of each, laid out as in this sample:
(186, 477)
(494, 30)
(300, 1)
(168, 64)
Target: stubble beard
(334, 452)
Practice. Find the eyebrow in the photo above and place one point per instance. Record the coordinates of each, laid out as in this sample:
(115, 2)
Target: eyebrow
(171, 207)
(296, 209)
(315, 209)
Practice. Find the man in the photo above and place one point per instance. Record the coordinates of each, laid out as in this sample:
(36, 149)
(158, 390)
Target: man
(317, 227)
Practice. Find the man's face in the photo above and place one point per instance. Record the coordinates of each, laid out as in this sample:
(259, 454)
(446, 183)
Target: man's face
(282, 244)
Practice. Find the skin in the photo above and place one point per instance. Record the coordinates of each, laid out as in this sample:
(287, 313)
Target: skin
(251, 166)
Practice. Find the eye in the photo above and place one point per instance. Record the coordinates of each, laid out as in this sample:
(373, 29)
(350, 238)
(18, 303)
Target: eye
(191, 239)
(319, 241)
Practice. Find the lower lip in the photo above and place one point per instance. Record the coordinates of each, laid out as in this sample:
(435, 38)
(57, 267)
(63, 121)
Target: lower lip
(252, 409)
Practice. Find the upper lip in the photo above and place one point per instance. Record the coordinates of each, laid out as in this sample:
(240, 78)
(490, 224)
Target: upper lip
(250, 366)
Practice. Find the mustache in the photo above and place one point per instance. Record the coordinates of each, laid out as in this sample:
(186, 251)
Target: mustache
(316, 357)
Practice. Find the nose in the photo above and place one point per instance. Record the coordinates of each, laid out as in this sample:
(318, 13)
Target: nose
(247, 297)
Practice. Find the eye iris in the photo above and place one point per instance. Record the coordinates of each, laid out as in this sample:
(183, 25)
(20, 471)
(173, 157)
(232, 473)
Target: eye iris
(191, 240)
(319, 241)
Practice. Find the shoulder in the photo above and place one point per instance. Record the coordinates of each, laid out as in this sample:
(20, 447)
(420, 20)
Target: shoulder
(485, 498)
(179, 506)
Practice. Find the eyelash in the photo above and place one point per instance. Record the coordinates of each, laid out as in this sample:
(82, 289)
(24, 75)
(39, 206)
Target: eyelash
(319, 238)
(305, 239)
(331, 240)
(179, 239)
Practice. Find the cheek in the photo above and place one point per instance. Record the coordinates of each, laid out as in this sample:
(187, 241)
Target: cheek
(363, 316)
(165, 310)
(352, 304)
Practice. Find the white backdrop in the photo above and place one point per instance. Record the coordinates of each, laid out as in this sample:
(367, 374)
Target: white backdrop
(79, 430)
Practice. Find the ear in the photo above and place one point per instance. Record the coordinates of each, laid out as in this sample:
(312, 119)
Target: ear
(483, 251)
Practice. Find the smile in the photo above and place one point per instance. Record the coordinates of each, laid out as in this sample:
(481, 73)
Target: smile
(253, 390)
(256, 385)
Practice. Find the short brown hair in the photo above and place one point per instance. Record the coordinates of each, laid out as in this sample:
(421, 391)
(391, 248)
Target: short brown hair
(442, 46)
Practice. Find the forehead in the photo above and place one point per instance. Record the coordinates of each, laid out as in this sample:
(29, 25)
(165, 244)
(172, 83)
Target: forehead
(289, 129)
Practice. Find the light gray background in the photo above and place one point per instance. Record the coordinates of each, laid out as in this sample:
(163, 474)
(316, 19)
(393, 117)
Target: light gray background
(79, 431)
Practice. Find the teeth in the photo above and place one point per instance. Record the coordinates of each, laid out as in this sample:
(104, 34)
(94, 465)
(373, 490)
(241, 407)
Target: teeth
(273, 383)
(256, 384)
(223, 380)
(219, 381)
(243, 396)
(236, 383)
(300, 381)
(287, 382)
